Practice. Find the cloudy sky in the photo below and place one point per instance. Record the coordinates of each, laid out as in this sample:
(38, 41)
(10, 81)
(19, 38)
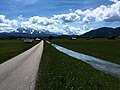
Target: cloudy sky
(59, 16)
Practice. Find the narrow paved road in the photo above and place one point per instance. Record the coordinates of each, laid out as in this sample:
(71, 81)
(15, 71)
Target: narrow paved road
(19, 73)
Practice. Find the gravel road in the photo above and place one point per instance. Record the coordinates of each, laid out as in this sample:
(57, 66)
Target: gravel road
(19, 73)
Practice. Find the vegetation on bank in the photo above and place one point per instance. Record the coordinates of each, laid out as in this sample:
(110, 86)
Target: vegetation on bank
(11, 48)
(58, 71)
(101, 48)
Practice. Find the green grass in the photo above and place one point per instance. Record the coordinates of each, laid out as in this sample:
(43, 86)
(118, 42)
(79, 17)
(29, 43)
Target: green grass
(101, 48)
(58, 71)
(11, 48)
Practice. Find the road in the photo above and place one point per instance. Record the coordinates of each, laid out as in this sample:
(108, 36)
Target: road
(19, 73)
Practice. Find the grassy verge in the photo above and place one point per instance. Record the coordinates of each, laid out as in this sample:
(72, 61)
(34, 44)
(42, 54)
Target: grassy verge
(101, 48)
(11, 48)
(58, 71)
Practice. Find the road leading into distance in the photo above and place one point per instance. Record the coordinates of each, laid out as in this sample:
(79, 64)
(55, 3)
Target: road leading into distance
(19, 73)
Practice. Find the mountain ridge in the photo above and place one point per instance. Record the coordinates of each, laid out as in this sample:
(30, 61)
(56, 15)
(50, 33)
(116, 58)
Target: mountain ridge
(103, 32)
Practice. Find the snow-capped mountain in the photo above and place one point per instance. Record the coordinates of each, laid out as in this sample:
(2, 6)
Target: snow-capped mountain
(28, 32)
(32, 31)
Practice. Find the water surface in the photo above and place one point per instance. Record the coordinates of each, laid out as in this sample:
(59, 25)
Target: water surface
(99, 64)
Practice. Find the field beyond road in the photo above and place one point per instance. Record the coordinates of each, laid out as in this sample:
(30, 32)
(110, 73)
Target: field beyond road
(101, 48)
(58, 71)
(11, 48)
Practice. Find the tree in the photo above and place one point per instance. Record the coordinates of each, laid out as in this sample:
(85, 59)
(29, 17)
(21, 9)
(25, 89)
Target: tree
(50, 37)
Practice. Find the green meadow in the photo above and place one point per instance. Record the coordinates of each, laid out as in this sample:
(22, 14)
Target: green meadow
(11, 48)
(101, 48)
(58, 71)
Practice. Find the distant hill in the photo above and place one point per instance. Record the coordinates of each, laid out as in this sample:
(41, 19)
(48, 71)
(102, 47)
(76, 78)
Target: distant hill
(22, 35)
(103, 32)
(65, 36)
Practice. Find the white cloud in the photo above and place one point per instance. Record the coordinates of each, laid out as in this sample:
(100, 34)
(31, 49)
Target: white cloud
(65, 18)
(66, 23)
(41, 20)
(4, 25)
(2, 18)
(111, 13)
(85, 20)
(102, 13)
(72, 30)
(20, 17)
(7, 25)
(108, 13)
(7, 29)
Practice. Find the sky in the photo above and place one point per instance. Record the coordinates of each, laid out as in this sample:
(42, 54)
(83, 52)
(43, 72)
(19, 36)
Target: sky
(59, 16)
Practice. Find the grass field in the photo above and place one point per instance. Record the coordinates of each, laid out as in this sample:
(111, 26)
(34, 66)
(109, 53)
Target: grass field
(11, 48)
(101, 48)
(60, 72)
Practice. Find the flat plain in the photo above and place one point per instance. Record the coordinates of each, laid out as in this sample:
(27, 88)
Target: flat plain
(101, 48)
(11, 48)
(58, 71)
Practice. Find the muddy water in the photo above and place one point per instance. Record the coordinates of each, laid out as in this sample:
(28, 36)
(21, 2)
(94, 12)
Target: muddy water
(99, 64)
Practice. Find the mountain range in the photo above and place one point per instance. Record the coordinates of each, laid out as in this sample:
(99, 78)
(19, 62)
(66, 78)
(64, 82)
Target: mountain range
(29, 32)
